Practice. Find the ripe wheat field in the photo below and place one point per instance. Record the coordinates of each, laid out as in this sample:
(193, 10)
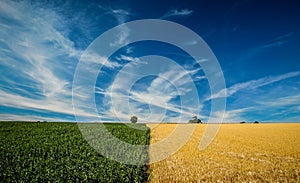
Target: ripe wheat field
(239, 153)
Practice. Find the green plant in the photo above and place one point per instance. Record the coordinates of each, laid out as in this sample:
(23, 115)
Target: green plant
(57, 152)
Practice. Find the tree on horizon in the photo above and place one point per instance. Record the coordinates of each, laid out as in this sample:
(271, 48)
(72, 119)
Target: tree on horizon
(134, 119)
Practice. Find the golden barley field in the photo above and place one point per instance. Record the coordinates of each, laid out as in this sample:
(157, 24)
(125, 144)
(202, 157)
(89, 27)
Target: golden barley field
(239, 153)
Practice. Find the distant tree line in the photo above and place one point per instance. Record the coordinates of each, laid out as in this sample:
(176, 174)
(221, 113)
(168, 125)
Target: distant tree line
(243, 122)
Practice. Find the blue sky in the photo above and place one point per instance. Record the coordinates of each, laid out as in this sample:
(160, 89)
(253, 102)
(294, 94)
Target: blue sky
(257, 45)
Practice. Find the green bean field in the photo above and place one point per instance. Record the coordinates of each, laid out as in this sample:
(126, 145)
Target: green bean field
(57, 152)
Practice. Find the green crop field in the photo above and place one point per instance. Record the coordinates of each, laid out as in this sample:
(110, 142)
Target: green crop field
(57, 152)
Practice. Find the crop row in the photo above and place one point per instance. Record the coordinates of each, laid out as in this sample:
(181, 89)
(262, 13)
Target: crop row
(57, 152)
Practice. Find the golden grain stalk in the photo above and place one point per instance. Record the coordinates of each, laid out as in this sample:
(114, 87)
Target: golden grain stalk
(239, 153)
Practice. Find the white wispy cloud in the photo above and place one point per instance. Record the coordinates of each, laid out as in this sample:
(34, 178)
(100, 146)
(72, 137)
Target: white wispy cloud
(130, 59)
(121, 12)
(13, 117)
(283, 109)
(176, 13)
(282, 101)
(279, 41)
(156, 99)
(253, 84)
(39, 60)
(31, 46)
(63, 106)
(121, 16)
(91, 58)
(275, 103)
(44, 55)
(273, 43)
(231, 116)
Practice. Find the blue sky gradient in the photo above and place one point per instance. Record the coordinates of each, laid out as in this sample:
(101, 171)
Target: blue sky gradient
(257, 44)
